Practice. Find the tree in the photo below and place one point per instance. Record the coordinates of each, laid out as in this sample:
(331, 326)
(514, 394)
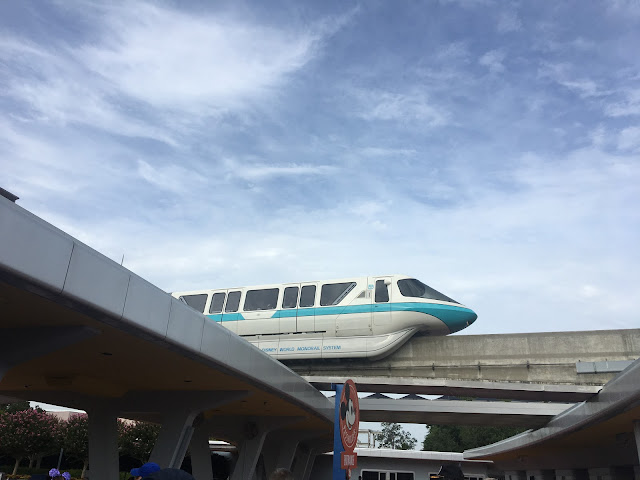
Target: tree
(393, 436)
(137, 439)
(28, 433)
(14, 407)
(455, 438)
(75, 439)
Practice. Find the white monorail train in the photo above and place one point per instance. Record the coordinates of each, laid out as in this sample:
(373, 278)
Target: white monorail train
(356, 317)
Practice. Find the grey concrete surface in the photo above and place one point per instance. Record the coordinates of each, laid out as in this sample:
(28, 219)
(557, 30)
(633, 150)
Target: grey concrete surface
(463, 388)
(596, 433)
(543, 358)
(460, 412)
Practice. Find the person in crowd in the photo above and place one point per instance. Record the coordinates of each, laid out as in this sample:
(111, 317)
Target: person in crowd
(145, 470)
(281, 474)
(169, 474)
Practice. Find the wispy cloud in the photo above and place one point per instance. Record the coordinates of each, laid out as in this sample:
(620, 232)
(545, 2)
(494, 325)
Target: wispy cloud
(566, 76)
(628, 106)
(493, 60)
(402, 107)
(261, 171)
(629, 139)
(508, 22)
(198, 63)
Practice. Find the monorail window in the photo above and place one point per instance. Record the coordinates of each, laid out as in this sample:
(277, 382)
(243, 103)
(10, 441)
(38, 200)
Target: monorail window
(333, 293)
(217, 302)
(377, 475)
(410, 287)
(266, 299)
(233, 302)
(196, 302)
(290, 298)
(308, 296)
(382, 291)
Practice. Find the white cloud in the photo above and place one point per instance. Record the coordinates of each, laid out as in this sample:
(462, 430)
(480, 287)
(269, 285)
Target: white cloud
(508, 22)
(261, 171)
(566, 75)
(590, 291)
(624, 7)
(202, 64)
(453, 53)
(405, 107)
(170, 177)
(629, 139)
(493, 61)
(627, 107)
(150, 71)
(387, 152)
(63, 93)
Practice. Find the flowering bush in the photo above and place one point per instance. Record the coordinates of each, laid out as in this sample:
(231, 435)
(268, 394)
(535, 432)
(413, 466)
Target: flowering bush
(55, 473)
(28, 433)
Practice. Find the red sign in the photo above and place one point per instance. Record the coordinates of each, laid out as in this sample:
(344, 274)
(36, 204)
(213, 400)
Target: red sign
(349, 416)
(348, 460)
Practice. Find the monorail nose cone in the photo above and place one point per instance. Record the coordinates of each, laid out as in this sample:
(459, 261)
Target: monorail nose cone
(457, 318)
(473, 316)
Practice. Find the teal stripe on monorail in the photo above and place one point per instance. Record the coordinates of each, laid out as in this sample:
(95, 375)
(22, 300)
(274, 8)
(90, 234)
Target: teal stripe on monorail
(227, 317)
(455, 317)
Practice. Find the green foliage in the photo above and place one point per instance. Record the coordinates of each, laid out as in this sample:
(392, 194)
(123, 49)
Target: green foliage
(455, 438)
(393, 436)
(14, 407)
(137, 439)
(442, 438)
(75, 439)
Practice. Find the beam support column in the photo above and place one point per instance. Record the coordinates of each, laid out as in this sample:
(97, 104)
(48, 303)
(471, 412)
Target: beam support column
(103, 444)
(304, 464)
(178, 410)
(175, 436)
(636, 433)
(252, 433)
(249, 453)
(287, 453)
(200, 454)
(279, 452)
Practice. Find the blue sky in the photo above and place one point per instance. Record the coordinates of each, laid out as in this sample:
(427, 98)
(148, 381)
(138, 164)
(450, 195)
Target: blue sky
(491, 149)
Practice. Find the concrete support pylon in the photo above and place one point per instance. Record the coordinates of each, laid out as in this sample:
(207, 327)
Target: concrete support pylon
(103, 443)
(253, 431)
(304, 463)
(200, 454)
(178, 410)
(287, 453)
(636, 433)
(310, 461)
(248, 457)
(279, 451)
(174, 438)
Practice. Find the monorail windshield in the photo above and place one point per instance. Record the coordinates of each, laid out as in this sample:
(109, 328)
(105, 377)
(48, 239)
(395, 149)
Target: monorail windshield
(410, 287)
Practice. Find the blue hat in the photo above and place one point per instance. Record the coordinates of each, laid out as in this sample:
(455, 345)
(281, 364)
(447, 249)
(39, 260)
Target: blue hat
(145, 470)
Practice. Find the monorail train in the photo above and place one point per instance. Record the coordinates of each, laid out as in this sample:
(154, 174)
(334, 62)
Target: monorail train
(349, 318)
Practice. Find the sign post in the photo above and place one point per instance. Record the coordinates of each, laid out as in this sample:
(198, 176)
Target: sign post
(345, 430)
